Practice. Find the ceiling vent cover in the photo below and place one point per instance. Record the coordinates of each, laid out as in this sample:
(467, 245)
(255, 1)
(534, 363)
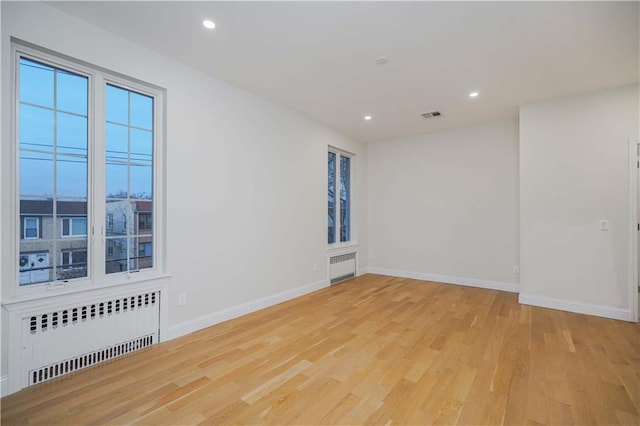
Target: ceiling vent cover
(432, 114)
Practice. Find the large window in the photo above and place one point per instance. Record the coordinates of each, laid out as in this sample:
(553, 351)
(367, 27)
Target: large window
(339, 197)
(87, 145)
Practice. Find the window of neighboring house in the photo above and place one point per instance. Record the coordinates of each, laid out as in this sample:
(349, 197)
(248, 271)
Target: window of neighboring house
(339, 197)
(73, 259)
(74, 227)
(69, 116)
(144, 249)
(30, 228)
(144, 221)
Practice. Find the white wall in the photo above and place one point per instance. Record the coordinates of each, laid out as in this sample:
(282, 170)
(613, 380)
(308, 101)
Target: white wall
(444, 206)
(573, 173)
(246, 179)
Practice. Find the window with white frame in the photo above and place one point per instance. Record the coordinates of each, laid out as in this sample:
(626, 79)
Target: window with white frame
(87, 143)
(30, 228)
(74, 227)
(339, 197)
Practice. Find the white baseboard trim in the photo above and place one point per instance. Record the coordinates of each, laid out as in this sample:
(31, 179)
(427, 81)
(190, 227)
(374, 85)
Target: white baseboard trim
(446, 279)
(577, 307)
(214, 318)
(362, 271)
(4, 389)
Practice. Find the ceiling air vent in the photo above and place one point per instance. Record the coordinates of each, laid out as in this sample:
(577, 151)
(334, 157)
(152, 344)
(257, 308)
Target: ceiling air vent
(432, 114)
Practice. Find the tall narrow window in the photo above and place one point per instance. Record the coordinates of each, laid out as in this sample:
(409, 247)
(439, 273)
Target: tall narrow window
(345, 198)
(332, 198)
(339, 198)
(53, 169)
(129, 177)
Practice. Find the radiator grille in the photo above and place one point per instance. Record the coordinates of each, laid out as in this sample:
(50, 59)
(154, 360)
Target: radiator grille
(73, 337)
(70, 365)
(342, 267)
(70, 316)
(342, 258)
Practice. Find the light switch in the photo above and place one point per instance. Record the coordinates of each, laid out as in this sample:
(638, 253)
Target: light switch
(604, 225)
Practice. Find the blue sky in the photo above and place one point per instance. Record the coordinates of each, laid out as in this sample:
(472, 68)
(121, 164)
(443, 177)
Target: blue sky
(54, 127)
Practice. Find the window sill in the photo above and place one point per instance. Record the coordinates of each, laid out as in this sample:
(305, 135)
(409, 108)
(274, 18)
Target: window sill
(333, 248)
(52, 294)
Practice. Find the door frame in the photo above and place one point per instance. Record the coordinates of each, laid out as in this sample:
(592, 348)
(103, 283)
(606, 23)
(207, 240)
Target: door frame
(634, 173)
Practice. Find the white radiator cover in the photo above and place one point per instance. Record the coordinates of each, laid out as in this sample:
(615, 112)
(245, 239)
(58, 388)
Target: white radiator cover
(66, 338)
(342, 267)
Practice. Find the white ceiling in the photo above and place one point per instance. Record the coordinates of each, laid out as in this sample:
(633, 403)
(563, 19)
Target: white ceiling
(318, 57)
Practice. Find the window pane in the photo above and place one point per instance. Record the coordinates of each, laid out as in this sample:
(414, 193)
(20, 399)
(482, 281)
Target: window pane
(129, 173)
(36, 128)
(71, 90)
(141, 111)
(53, 165)
(144, 257)
(72, 176)
(141, 182)
(73, 262)
(117, 253)
(141, 145)
(36, 83)
(117, 181)
(345, 198)
(116, 217)
(36, 174)
(332, 198)
(71, 134)
(117, 142)
(117, 105)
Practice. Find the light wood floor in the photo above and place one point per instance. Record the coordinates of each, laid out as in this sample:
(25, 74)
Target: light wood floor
(375, 350)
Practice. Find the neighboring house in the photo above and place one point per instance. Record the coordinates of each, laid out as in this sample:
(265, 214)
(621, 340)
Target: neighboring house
(51, 249)
(57, 249)
(129, 226)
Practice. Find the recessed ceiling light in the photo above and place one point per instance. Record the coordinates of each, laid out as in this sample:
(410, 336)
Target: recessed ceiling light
(367, 117)
(208, 24)
(382, 60)
(473, 94)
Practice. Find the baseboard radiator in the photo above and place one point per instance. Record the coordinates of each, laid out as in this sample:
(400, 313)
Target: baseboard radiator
(342, 267)
(76, 337)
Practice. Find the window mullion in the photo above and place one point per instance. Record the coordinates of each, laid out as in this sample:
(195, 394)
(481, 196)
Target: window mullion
(98, 176)
(336, 191)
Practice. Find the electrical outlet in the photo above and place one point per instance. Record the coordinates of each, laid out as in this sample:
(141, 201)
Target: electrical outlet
(604, 225)
(516, 269)
(182, 299)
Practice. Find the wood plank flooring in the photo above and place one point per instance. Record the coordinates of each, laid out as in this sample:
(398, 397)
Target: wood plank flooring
(373, 350)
